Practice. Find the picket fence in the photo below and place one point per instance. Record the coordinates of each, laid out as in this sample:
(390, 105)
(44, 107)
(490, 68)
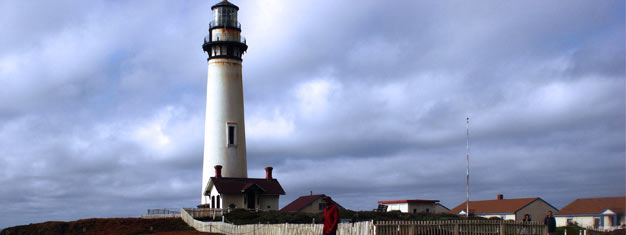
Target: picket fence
(358, 228)
(455, 227)
(460, 227)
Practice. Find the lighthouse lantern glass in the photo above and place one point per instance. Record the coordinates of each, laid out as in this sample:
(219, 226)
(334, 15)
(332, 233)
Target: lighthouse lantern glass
(225, 16)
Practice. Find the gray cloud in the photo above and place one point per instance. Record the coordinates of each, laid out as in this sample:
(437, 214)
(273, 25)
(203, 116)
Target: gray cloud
(102, 104)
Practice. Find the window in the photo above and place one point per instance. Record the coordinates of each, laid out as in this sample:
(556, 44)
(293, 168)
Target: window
(213, 202)
(321, 206)
(231, 138)
(218, 202)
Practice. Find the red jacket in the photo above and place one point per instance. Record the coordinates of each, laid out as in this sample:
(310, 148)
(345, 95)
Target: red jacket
(331, 218)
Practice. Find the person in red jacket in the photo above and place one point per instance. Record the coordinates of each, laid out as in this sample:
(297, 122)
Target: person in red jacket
(331, 217)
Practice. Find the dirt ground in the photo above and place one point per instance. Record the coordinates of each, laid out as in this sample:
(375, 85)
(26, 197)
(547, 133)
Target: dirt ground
(172, 226)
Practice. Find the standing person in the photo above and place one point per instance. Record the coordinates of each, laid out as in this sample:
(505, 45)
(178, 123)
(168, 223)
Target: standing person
(331, 217)
(526, 219)
(550, 222)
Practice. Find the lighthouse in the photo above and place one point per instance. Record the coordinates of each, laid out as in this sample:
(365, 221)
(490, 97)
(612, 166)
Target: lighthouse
(224, 131)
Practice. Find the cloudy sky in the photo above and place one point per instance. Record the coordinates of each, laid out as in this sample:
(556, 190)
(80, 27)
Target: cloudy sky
(102, 103)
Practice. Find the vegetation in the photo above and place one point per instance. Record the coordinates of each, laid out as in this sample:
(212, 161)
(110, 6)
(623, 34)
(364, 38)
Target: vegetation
(571, 229)
(107, 226)
(242, 216)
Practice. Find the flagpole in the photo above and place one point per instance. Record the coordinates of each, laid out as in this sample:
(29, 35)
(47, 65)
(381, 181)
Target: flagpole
(467, 176)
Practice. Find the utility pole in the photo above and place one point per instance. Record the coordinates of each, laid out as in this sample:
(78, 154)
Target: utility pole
(467, 176)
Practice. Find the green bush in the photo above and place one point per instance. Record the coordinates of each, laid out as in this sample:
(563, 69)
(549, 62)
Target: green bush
(242, 216)
(572, 229)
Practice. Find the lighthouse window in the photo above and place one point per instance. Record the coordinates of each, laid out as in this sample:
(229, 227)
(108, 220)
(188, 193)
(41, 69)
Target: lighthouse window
(232, 134)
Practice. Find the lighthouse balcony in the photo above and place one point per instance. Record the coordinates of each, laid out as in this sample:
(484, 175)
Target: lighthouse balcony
(240, 40)
(225, 24)
(228, 48)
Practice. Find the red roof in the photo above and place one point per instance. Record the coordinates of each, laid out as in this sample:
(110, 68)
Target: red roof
(496, 206)
(407, 201)
(594, 206)
(240, 185)
(301, 203)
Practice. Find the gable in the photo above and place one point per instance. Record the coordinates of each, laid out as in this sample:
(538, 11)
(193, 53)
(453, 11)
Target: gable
(301, 203)
(231, 185)
(594, 206)
(507, 206)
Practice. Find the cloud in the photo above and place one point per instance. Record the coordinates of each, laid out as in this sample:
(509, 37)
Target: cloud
(102, 105)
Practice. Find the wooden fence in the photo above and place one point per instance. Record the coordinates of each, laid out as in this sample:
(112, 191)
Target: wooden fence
(205, 212)
(162, 213)
(459, 227)
(360, 228)
(452, 227)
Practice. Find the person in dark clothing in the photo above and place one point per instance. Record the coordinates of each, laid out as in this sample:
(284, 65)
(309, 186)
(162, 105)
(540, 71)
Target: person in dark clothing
(330, 218)
(550, 222)
(526, 218)
(524, 229)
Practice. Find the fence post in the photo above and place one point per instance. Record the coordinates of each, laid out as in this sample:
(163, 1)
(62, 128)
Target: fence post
(456, 228)
(502, 227)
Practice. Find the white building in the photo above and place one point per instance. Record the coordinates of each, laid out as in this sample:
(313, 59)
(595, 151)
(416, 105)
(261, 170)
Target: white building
(412, 206)
(224, 133)
(507, 209)
(247, 193)
(604, 213)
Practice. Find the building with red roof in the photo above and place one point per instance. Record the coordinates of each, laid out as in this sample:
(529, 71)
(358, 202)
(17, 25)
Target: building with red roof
(309, 204)
(507, 209)
(414, 206)
(606, 212)
(248, 193)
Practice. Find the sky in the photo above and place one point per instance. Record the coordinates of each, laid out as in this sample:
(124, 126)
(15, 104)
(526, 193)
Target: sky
(102, 102)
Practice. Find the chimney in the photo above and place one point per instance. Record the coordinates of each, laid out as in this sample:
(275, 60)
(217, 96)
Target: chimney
(268, 172)
(311, 193)
(500, 197)
(218, 171)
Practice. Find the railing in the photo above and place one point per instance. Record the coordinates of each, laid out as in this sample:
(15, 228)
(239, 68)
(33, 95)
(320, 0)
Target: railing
(456, 227)
(360, 228)
(601, 231)
(207, 38)
(459, 227)
(205, 212)
(162, 213)
(224, 23)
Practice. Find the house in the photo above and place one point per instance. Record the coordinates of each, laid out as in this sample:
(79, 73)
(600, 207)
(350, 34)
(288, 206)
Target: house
(439, 208)
(309, 204)
(248, 193)
(607, 212)
(412, 206)
(507, 209)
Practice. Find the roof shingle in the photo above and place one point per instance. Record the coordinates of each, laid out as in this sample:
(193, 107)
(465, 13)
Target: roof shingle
(407, 201)
(239, 185)
(594, 206)
(495, 206)
(301, 203)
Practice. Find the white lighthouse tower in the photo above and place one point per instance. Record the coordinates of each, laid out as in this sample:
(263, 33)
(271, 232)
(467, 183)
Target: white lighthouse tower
(224, 133)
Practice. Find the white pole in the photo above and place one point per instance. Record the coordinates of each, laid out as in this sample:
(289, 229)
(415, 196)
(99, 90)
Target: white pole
(467, 176)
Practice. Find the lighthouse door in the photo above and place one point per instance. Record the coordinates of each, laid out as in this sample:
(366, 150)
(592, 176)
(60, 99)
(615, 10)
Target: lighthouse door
(250, 197)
